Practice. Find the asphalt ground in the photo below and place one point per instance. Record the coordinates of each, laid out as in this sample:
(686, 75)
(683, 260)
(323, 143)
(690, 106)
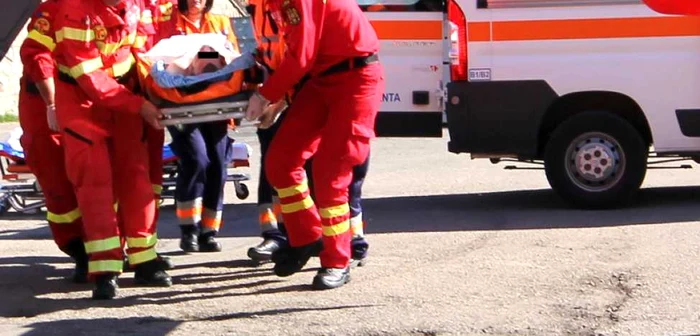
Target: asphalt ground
(457, 246)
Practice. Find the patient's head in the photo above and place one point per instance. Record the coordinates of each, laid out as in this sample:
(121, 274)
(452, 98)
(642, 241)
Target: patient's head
(208, 60)
(194, 7)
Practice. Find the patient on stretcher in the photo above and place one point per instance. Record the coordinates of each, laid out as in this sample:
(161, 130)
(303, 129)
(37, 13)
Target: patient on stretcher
(184, 60)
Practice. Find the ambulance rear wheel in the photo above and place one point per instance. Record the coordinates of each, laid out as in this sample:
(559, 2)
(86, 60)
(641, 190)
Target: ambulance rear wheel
(596, 160)
(242, 191)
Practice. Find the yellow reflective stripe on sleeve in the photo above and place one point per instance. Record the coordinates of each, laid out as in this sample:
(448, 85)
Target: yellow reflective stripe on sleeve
(108, 48)
(75, 34)
(103, 245)
(334, 230)
(64, 218)
(146, 17)
(293, 190)
(142, 242)
(123, 67)
(142, 257)
(335, 211)
(83, 68)
(139, 42)
(105, 266)
(298, 206)
(42, 39)
(164, 18)
(157, 189)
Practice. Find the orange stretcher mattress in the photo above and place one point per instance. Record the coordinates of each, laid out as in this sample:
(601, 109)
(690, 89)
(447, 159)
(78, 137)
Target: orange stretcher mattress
(159, 95)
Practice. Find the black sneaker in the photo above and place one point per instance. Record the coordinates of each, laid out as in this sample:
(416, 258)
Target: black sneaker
(105, 287)
(264, 250)
(151, 273)
(292, 259)
(188, 238)
(330, 278)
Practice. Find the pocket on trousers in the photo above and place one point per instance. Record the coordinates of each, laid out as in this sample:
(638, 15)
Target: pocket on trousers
(358, 143)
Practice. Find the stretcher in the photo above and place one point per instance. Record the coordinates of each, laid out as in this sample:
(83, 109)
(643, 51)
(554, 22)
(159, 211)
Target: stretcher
(20, 191)
(226, 98)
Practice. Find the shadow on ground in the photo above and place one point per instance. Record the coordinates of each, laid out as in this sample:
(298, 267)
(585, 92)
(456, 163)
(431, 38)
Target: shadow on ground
(532, 209)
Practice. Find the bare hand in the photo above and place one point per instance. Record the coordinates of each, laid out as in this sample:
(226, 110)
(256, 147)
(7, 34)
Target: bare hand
(151, 114)
(269, 116)
(51, 117)
(256, 106)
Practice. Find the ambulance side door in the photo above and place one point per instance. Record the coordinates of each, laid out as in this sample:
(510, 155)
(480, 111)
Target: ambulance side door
(412, 34)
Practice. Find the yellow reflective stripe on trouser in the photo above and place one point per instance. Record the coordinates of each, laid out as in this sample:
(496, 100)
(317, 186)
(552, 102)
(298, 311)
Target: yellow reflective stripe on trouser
(64, 218)
(103, 245)
(357, 226)
(143, 256)
(334, 230)
(157, 189)
(68, 33)
(85, 67)
(42, 39)
(142, 242)
(298, 206)
(335, 211)
(105, 266)
(293, 190)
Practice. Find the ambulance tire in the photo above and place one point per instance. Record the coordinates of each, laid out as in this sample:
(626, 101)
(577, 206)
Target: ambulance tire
(596, 160)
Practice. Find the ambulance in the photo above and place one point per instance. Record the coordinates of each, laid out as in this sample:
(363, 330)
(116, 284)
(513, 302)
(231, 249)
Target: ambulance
(595, 91)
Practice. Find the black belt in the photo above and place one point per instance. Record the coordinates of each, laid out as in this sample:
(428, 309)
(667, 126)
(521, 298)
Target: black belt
(31, 87)
(66, 78)
(352, 63)
(346, 65)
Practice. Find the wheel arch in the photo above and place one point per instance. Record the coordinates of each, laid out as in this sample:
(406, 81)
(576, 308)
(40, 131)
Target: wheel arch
(572, 104)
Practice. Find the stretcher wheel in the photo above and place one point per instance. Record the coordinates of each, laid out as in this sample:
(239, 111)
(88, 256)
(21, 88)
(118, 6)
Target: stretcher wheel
(242, 191)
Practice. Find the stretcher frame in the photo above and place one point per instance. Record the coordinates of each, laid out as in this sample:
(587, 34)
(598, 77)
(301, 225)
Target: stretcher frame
(20, 191)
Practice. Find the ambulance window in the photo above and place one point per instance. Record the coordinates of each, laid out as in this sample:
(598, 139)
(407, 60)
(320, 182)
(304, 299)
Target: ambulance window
(401, 5)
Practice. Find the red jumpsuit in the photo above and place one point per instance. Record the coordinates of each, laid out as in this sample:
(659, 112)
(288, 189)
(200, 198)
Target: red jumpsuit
(155, 139)
(332, 117)
(42, 147)
(106, 157)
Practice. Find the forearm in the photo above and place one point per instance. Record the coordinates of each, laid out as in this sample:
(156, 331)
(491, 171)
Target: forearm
(47, 90)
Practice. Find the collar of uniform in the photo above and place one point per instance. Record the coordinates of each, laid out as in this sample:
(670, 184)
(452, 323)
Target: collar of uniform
(184, 23)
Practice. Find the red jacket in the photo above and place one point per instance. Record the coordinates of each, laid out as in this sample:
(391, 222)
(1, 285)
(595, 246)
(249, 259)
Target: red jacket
(95, 46)
(317, 34)
(35, 52)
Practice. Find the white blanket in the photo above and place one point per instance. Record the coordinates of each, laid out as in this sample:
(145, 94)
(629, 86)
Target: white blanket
(179, 51)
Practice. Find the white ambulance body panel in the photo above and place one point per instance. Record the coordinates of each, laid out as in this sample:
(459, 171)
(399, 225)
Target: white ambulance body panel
(660, 73)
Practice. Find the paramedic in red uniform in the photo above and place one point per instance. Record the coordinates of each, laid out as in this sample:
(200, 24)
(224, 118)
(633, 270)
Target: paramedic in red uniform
(334, 46)
(202, 148)
(41, 141)
(102, 123)
(271, 50)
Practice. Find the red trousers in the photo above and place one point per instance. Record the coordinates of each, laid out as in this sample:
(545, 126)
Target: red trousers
(107, 161)
(332, 119)
(43, 153)
(155, 139)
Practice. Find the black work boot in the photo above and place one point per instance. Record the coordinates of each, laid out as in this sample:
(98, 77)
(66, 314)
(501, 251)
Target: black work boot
(359, 247)
(264, 250)
(207, 242)
(188, 238)
(165, 263)
(292, 259)
(76, 250)
(151, 273)
(329, 278)
(105, 286)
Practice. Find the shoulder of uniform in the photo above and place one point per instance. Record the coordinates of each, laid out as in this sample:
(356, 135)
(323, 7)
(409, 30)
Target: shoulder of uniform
(76, 11)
